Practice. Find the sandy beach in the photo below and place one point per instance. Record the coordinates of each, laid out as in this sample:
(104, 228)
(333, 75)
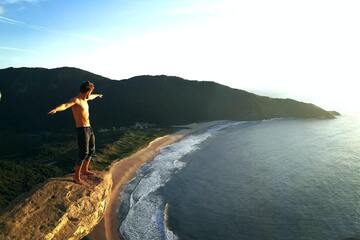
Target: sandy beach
(124, 170)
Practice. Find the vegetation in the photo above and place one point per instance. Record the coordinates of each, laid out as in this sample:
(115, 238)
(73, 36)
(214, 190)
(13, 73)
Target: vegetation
(162, 100)
(27, 159)
(130, 142)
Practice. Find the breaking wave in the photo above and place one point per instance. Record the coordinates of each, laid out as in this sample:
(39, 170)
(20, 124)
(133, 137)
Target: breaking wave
(143, 212)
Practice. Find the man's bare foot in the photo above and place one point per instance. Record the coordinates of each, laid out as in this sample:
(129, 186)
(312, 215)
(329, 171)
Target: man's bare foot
(79, 181)
(87, 173)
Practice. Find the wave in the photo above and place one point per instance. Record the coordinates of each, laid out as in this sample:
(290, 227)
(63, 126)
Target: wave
(272, 119)
(169, 234)
(142, 207)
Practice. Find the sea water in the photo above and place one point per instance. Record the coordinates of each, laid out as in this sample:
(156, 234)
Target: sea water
(272, 179)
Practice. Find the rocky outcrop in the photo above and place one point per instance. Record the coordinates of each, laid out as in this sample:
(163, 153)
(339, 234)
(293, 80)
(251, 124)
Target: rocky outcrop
(58, 209)
(334, 113)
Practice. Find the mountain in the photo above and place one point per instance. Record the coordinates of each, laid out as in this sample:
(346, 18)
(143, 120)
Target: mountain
(334, 113)
(29, 93)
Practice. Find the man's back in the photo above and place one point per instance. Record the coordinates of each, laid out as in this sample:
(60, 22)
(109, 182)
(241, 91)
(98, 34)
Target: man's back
(80, 111)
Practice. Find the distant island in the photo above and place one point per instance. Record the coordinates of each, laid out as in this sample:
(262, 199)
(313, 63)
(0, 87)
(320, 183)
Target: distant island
(29, 93)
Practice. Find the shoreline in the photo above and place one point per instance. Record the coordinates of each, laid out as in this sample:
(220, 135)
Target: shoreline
(123, 170)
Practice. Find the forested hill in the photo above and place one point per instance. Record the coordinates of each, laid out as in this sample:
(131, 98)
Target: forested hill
(29, 93)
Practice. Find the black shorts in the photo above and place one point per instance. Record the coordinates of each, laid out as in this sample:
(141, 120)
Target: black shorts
(86, 143)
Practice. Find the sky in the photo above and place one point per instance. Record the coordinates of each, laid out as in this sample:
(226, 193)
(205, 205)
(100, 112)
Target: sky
(308, 50)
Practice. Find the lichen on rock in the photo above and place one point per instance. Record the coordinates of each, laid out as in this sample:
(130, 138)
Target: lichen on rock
(58, 209)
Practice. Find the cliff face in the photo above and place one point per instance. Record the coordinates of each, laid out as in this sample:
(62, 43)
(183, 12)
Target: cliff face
(58, 209)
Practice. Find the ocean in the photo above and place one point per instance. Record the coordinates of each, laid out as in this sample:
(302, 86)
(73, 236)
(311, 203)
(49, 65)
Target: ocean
(272, 179)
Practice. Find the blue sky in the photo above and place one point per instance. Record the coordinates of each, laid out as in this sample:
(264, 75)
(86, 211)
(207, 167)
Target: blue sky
(308, 50)
(52, 28)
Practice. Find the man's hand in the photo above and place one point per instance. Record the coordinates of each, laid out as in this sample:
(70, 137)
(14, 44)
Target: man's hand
(93, 96)
(52, 112)
(64, 106)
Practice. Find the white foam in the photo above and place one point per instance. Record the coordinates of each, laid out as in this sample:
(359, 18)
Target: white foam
(272, 119)
(142, 221)
(169, 235)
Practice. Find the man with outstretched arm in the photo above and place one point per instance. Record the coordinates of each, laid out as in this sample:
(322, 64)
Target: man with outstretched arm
(85, 135)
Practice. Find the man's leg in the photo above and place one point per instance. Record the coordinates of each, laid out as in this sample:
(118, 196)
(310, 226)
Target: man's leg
(77, 178)
(83, 144)
(85, 166)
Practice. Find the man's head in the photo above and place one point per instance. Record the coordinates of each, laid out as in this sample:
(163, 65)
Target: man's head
(86, 87)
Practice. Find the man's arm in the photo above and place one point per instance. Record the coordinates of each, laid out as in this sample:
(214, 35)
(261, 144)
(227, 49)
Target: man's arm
(64, 106)
(93, 96)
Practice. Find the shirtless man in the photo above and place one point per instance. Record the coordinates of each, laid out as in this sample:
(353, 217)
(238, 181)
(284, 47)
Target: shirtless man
(85, 135)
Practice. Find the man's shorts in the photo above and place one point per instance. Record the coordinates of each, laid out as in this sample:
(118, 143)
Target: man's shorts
(86, 143)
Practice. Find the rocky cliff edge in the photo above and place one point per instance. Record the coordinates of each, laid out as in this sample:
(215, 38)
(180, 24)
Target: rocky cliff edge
(58, 209)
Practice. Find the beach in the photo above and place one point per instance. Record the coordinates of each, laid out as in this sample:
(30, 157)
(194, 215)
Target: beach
(125, 169)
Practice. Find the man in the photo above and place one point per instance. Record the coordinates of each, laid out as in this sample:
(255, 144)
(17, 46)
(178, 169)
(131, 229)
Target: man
(85, 135)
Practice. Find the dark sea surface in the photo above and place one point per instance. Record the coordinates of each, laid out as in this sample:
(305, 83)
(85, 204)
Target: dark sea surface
(274, 179)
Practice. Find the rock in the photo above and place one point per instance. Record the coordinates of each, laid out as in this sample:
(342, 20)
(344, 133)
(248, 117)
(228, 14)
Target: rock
(334, 113)
(58, 209)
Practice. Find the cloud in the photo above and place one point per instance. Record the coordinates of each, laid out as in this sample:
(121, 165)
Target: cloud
(51, 31)
(18, 1)
(10, 21)
(16, 49)
(202, 7)
(193, 9)
(2, 10)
